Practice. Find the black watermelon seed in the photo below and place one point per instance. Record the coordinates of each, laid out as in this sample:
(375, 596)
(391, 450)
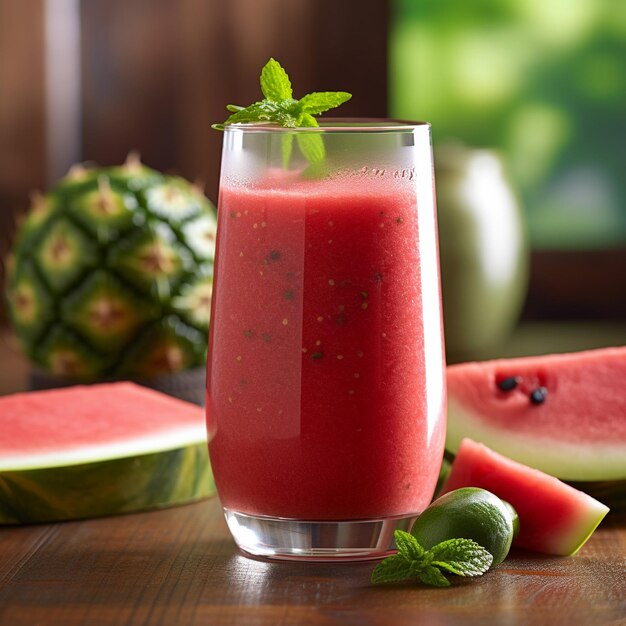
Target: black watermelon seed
(539, 395)
(509, 383)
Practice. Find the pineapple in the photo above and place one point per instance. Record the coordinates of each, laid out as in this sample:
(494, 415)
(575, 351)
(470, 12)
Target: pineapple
(111, 274)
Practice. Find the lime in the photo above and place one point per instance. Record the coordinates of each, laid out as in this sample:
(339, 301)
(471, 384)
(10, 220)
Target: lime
(514, 518)
(468, 513)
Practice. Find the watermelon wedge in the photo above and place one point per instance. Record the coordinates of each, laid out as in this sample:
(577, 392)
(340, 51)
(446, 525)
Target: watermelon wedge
(564, 414)
(554, 517)
(95, 450)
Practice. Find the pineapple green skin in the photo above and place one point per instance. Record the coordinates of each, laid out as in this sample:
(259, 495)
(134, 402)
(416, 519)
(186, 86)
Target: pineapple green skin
(111, 274)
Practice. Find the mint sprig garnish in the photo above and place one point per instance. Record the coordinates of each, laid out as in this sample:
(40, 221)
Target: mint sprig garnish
(462, 557)
(280, 107)
(275, 83)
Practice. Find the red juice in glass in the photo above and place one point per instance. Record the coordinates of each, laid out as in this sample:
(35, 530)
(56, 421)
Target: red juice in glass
(325, 403)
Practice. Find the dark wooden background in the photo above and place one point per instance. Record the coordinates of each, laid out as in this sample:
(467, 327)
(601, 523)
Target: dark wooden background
(22, 108)
(156, 74)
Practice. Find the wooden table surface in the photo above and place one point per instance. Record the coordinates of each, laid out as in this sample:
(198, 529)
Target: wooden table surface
(179, 567)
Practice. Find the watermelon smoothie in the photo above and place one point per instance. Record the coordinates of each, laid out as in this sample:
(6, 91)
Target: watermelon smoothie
(325, 393)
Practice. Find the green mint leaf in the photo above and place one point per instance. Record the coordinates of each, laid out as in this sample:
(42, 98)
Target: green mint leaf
(264, 111)
(280, 107)
(312, 147)
(307, 120)
(311, 144)
(392, 570)
(320, 101)
(430, 575)
(275, 83)
(259, 111)
(285, 117)
(408, 546)
(462, 557)
(286, 146)
(279, 104)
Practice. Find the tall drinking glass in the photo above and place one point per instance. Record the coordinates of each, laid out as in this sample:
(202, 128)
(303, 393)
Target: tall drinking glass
(325, 387)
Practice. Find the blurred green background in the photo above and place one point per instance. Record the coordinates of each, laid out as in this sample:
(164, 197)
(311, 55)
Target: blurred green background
(543, 81)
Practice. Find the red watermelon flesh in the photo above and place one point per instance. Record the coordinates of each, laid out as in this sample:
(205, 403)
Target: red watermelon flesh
(576, 432)
(554, 517)
(86, 423)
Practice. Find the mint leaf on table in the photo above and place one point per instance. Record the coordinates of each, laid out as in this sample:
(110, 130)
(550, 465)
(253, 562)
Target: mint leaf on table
(280, 107)
(430, 575)
(393, 569)
(462, 557)
(408, 546)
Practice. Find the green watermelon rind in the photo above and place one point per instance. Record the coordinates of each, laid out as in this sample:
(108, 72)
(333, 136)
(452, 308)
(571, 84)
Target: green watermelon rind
(570, 544)
(565, 460)
(113, 486)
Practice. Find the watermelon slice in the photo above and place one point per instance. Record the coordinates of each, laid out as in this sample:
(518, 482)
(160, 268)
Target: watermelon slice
(554, 517)
(563, 414)
(88, 451)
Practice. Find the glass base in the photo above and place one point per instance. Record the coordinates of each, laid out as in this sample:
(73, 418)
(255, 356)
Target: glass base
(280, 538)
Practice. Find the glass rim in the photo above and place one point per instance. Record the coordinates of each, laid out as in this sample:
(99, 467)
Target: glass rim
(333, 125)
